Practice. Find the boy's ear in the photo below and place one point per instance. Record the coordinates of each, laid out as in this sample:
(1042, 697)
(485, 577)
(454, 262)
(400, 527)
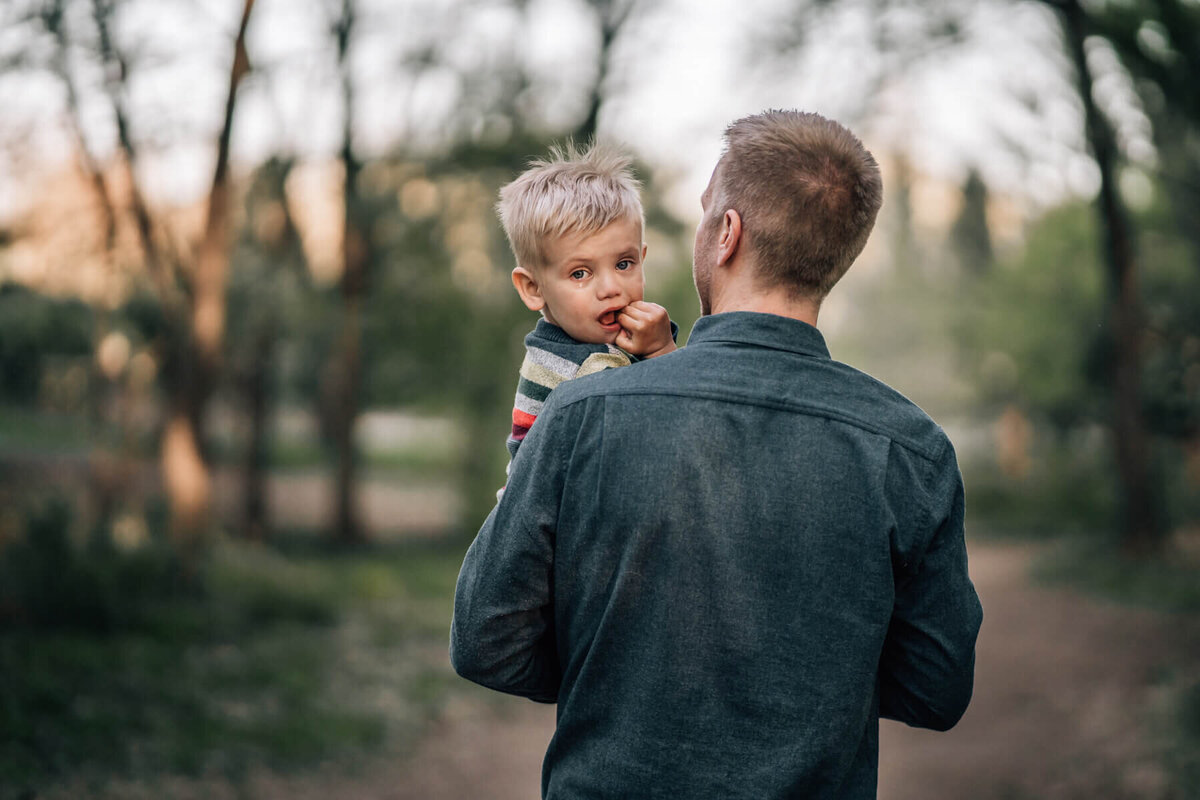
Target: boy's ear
(527, 286)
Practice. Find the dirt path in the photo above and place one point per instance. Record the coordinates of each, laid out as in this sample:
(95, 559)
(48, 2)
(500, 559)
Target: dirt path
(1063, 688)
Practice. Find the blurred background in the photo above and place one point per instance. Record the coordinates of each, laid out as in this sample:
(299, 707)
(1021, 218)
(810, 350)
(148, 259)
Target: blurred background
(258, 342)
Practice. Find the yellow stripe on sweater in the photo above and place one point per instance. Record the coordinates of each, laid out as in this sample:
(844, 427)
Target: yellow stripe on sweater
(600, 361)
(541, 375)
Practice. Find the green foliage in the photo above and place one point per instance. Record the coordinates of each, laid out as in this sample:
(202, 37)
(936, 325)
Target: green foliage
(29, 429)
(1184, 724)
(33, 330)
(280, 658)
(1068, 490)
(1034, 336)
(48, 581)
(1172, 353)
(1092, 563)
(1033, 328)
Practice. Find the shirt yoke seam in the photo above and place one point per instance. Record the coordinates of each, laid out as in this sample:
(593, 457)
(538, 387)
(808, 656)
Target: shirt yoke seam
(930, 454)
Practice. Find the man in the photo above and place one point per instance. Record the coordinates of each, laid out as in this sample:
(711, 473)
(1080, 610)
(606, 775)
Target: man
(725, 564)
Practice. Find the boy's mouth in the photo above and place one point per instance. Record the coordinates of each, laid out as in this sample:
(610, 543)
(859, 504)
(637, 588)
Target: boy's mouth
(609, 319)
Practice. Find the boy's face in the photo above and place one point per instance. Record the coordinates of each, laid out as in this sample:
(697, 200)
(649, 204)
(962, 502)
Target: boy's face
(587, 279)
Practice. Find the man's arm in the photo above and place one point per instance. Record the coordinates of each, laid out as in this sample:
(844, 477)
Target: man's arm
(502, 635)
(927, 670)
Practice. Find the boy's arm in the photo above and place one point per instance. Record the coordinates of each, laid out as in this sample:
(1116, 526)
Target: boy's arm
(541, 371)
(502, 634)
(646, 330)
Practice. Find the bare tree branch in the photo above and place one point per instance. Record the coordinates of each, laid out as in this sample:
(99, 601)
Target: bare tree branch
(52, 17)
(161, 268)
(212, 267)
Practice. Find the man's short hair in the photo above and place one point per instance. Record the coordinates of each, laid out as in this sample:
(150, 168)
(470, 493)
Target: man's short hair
(807, 192)
(572, 191)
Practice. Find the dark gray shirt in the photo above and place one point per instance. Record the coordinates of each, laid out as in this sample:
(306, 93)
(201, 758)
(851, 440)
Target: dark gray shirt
(724, 565)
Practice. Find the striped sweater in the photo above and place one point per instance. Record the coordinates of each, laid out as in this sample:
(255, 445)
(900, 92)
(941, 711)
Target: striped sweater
(551, 357)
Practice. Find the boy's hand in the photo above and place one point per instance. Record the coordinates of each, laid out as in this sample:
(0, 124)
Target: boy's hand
(645, 330)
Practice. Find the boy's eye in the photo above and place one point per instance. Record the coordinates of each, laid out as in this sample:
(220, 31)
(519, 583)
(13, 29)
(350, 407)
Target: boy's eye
(624, 264)
(578, 274)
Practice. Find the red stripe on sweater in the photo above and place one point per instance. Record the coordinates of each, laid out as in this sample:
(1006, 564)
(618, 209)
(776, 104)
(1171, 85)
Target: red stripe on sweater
(522, 419)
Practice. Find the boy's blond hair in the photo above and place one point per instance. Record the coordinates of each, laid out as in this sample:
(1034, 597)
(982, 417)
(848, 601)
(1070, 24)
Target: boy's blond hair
(572, 191)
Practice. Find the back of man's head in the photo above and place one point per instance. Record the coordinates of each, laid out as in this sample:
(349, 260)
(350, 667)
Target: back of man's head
(807, 192)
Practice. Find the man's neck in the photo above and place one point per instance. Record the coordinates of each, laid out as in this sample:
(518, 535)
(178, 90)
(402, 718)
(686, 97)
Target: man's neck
(780, 303)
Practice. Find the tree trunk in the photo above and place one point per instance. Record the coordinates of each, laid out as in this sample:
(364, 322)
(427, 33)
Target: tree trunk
(345, 369)
(1141, 517)
(186, 472)
(256, 523)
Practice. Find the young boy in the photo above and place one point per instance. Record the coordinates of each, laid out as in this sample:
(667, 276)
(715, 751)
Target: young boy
(575, 224)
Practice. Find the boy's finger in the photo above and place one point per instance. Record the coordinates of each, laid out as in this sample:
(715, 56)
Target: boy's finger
(629, 320)
(638, 305)
(631, 313)
(629, 323)
(646, 307)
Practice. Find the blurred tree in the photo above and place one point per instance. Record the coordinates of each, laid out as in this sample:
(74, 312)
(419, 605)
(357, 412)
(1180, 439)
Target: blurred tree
(186, 470)
(906, 250)
(343, 372)
(612, 16)
(1032, 330)
(268, 293)
(53, 15)
(1142, 516)
(1158, 42)
(970, 237)
(191, 289)
(1029, 326)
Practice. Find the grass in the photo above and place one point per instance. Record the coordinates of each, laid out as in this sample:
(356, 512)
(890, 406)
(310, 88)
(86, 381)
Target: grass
(36, 430)
(282, 658)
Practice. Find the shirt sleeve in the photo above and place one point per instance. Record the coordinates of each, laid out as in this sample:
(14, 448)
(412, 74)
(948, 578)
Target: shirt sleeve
(502, 633)
(927, 668)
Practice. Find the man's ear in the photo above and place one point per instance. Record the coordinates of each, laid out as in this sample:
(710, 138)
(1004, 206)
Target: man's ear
(730, 237)
(527, 286)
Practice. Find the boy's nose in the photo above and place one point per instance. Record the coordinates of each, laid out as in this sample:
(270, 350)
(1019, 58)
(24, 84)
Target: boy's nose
(607, 286)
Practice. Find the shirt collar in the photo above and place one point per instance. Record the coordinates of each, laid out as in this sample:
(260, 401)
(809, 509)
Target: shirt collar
(764, 330)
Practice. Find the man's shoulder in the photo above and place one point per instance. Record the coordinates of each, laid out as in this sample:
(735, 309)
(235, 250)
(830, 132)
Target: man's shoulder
(876, 404)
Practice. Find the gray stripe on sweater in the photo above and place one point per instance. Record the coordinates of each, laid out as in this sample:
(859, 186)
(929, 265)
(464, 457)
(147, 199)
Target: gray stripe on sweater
(527, 404)
(558, 364)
